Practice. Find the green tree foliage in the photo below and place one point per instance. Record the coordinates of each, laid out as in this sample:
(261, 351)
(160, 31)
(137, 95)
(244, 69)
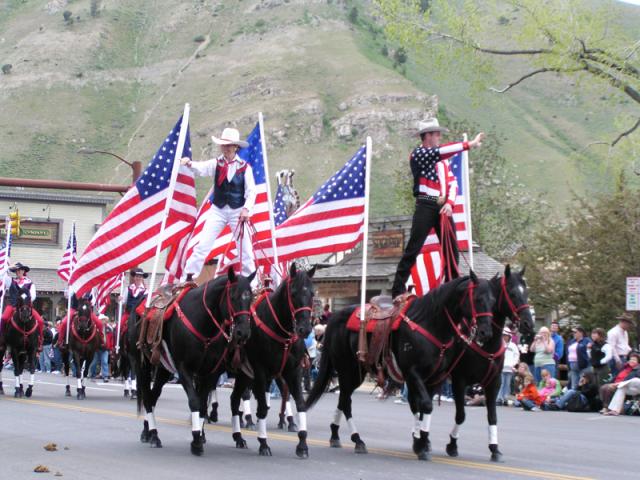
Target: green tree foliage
(504, 215)
(578, 269)
(572, 38)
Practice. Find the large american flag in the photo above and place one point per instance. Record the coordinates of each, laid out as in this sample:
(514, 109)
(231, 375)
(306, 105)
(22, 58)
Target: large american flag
(177, 257)
(130, 233)
(103, 292)
(68, 261)
(427, 272)
(332, 220)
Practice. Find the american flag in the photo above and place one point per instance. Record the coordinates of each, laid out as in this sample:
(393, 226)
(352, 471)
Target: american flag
(427, 273)
(103, 292)
(279, 208)
(177, 257)
(130, 233)
(332, 220)
(5, 253)
(68, 261)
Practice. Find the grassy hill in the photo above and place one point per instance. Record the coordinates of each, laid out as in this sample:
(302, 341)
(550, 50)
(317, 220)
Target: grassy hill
(118, 81)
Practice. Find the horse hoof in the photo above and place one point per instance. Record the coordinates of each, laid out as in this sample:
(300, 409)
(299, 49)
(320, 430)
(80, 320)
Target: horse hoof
(67, 391)
(497, 457)
(154, 439)
(29, 391)
(203, 437)
(133, 395)
(18, 393)
(302, 452)
(424, 456)
(213, 416)
(1, 390)
(145, 436)
(335, 443)
(249, 425)
(292, 427)
(265, 451)
(452, 450)
(197, 449)
(126, 393)
(361, 448)
(240, 442)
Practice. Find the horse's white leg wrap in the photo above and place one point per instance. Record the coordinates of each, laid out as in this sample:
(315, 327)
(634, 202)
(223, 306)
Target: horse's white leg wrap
(195, 421)
(302, 421)
(352, 426)
(17, 381)
(288, 411)
(151, 420)
(127, 384)
(79, 384)
(267, 397)
(32, 379)
(67, 378)
(493, 434)
(214, 396)
(416, 425)
(337, 416)
(235, 423)
(455, 431)
(262, 428)
(425, 425)
(134, 384)
(246, 407)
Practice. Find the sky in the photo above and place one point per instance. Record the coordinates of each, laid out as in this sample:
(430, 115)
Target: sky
(633, 2)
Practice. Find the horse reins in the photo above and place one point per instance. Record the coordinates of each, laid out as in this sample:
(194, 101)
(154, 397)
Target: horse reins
(515, 311)
(290, 337)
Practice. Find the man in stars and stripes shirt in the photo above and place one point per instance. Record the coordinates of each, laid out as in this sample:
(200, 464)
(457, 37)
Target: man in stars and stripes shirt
(432, 198)
(232, 199)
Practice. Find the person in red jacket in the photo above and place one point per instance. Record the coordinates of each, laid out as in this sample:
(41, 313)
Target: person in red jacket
(432, 200)
(529, 397)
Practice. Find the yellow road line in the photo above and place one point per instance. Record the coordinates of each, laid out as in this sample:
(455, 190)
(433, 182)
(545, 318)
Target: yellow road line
(323, 443)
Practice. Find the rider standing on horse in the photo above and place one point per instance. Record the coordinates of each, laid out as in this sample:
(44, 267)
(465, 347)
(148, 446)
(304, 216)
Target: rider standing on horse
(13, 285)
(62, 335)
(233, 197)
(433, 198)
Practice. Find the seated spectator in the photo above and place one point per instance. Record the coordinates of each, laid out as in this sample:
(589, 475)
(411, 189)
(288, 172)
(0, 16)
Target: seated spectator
(628, 387)
(548, 386)
(584, 398)
(529, 398)
(601, 355)
(578, 356)
(511, 356)
(522, 371)
(544, 349)
(629, 371)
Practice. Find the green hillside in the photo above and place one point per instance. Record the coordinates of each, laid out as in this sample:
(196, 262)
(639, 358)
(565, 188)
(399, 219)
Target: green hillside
(118, 81)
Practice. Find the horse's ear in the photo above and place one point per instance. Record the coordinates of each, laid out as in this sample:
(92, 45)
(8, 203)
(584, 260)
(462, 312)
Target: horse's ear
(293, 270)
(311, 272)
(522, 271)
(507, 270)
(474, 277)
(252, 276)
(231, 275)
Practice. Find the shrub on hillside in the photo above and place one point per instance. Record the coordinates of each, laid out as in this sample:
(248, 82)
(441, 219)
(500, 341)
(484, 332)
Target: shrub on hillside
(95, 7)
(6, 68)
(68, 16)
(353, 15)
(199, 39)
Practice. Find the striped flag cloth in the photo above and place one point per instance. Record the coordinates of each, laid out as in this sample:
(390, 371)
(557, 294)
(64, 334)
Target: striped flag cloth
(68, 261)
(456, 167)
(332, 220)
(177, 257)
(5, 253)
(104, 290)
(130, 233)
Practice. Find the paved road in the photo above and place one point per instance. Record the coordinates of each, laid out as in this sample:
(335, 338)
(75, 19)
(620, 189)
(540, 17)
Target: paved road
(101, 434)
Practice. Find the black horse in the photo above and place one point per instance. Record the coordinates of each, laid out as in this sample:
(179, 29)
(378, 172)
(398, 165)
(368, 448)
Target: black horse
(21, 338)
(482, 364)
(281, 322)
(206, 325)
(84, 342)
(420, 347)
(121, 366)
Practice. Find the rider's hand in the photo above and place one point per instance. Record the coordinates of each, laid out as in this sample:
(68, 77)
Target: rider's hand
(447, 210)
(244, 215)
(185, 161)
(477, 142)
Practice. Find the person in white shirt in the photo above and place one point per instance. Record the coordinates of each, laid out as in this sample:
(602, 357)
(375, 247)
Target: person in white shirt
(232, 200)
(511, 359)
(618, 338)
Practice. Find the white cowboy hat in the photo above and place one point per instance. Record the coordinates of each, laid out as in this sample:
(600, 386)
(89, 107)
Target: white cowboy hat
(230, 136)
(430, 125)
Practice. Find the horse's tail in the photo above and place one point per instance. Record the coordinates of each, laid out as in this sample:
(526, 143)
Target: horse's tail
(326, 367)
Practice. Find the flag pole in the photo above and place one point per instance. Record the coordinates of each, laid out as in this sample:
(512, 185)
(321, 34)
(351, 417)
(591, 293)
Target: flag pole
(362, 345)
(272, 224)
(120, 302)
(167, 203)
(72, 235)
(467, 194)
(5, 266)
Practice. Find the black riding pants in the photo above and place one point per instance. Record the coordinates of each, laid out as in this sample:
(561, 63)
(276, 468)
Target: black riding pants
(426, 217)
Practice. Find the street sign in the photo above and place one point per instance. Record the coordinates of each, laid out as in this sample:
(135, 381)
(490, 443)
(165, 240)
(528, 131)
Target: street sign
(633, 294)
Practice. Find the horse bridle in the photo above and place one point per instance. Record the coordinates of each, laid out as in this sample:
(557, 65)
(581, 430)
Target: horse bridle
(233, 314)
(515, 310)
(471, 326)
(74, 329)
(23, 331)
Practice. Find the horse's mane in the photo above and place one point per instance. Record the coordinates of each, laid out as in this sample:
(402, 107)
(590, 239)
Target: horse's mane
(433, 303)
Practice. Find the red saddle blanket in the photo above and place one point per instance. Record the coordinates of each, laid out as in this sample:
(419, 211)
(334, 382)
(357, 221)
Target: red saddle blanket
(140, 310)
(353, 323)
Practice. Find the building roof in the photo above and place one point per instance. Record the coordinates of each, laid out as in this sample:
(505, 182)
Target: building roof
(350, 268)
(46, 196)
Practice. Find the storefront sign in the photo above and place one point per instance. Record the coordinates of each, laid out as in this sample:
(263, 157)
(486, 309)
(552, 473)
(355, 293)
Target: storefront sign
(338, 289)
(387, 243)
(36, 233)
